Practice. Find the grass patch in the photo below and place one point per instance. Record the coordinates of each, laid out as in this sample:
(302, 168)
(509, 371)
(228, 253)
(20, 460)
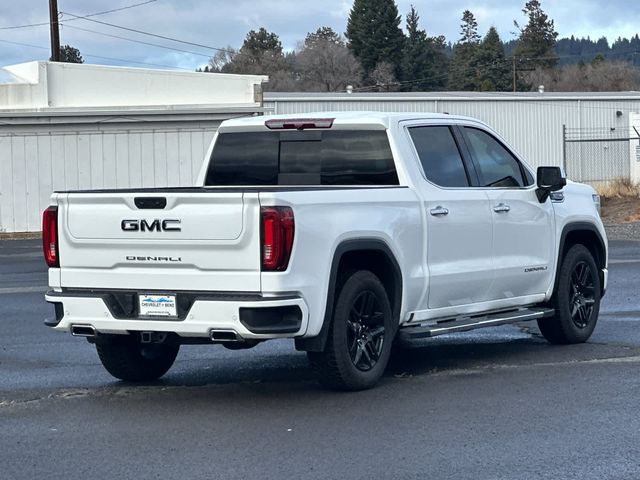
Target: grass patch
(620, 201)
(620, 188)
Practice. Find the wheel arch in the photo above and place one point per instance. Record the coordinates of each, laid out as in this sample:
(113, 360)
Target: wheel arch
(586, 234)
(371, 254)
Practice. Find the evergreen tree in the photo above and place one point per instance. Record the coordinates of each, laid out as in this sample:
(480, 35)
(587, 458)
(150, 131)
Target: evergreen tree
(469, 28)
(536, 44)
(493, 69)
(597, 60)
(462, 70)
(374, 34)
(424, 62)
(68, 54)
(261, 41)
(416, 49)
(260, 54)
(322, 36)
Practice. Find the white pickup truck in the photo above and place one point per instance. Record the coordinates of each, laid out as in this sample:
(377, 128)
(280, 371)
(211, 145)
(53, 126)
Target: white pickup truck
(340, 231)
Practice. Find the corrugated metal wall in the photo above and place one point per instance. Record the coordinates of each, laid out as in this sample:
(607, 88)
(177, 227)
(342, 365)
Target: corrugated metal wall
(532, 126)
(34, 164)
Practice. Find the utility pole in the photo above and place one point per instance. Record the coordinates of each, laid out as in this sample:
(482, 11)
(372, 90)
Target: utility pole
(514, 73)
(55, 32)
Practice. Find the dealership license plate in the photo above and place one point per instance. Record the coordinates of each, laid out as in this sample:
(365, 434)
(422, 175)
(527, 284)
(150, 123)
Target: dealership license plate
(157, 305)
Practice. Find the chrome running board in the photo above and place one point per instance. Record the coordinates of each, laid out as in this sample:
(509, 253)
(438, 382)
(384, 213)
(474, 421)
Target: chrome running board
(463, 324)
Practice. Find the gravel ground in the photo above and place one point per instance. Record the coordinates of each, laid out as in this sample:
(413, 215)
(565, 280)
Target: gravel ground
(623, 231)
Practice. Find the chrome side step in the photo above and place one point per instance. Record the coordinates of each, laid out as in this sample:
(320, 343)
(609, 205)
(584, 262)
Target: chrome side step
(463, 324)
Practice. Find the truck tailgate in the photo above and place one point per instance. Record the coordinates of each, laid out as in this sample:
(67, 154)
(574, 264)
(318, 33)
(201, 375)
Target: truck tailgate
(199, 241)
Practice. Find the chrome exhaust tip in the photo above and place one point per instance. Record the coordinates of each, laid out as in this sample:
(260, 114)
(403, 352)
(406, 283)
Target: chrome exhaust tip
(224, 336)
(83, 331)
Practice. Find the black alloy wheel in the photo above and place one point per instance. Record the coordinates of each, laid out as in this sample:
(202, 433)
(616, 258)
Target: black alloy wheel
(582, 294)
(360, 336)
(365, 331)
(576, 300)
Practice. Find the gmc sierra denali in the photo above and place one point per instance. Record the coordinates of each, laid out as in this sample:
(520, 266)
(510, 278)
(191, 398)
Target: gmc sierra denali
(341, 231)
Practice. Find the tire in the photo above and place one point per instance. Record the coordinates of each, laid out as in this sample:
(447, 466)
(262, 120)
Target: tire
(360, 337)
(576, 300)
(124, 357)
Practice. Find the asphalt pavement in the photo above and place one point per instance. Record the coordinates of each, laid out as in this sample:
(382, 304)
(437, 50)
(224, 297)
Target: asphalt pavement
(497, 403)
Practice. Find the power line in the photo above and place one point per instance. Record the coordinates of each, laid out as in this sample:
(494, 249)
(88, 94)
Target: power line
(99, 56)
(23, 44)
(400, 84)
(164, 37)
(485, 65)
(116, 9)
(366, 88)
(80, 17)
(135, 41)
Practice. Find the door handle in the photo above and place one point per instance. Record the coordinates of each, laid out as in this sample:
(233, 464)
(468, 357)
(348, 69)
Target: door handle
(501, 208)
(439, 211)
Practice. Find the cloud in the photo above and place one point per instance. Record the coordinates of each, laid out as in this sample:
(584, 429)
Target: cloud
(222, 23)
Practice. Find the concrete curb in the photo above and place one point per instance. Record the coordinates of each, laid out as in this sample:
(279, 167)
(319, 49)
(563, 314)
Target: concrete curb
(20, 235)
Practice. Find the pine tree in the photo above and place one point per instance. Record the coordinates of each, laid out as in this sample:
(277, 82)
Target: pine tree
(462, 71)
(260, 54)
(261, 41)
(374, 34)
(469, 28)
(68, 54)
(321, 37)
(424, 63)
(536, 44)
(493, 69)
(416, 49)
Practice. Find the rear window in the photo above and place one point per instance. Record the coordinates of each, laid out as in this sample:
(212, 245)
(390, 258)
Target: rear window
(338, 157)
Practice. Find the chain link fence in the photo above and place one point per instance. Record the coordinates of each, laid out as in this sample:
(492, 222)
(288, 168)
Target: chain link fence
(599, 154)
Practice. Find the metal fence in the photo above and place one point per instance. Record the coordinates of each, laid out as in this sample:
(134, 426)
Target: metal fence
(598, 154)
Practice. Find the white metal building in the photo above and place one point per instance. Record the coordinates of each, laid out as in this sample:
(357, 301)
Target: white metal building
(67, 126)
(591, 134)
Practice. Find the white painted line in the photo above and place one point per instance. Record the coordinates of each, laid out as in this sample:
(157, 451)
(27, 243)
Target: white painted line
(626, 260)
(9, 290)
(22, 254)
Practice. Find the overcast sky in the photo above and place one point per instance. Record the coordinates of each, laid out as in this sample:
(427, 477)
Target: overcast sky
(218, 23)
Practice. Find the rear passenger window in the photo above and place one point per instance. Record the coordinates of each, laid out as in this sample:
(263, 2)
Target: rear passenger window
(310, 157)
(497, 167)
(440, 156)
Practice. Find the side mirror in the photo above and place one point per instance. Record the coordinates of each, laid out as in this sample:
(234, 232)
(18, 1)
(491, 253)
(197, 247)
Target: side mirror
(549, 179)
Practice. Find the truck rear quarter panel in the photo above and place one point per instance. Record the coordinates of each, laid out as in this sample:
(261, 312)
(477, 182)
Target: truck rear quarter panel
(326, 218)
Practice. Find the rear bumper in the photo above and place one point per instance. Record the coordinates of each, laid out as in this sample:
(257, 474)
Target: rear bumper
(250, 316)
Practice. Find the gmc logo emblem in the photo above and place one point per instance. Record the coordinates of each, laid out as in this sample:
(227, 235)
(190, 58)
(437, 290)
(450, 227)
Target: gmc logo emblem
(156, 225)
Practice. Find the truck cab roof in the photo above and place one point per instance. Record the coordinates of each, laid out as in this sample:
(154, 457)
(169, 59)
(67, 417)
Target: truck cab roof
(363, 118)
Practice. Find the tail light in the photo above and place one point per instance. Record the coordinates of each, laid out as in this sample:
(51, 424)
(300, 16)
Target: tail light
(50, 236)
(277, 228)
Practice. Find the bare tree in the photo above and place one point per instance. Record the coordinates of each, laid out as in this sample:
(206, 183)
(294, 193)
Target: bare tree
(260, 54)
(599, 76)
(326, 64)
(221, 59)
(384, 77)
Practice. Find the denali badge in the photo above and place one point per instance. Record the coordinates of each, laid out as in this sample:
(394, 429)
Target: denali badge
(135, 258)
(156, 225)
(535, 269)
